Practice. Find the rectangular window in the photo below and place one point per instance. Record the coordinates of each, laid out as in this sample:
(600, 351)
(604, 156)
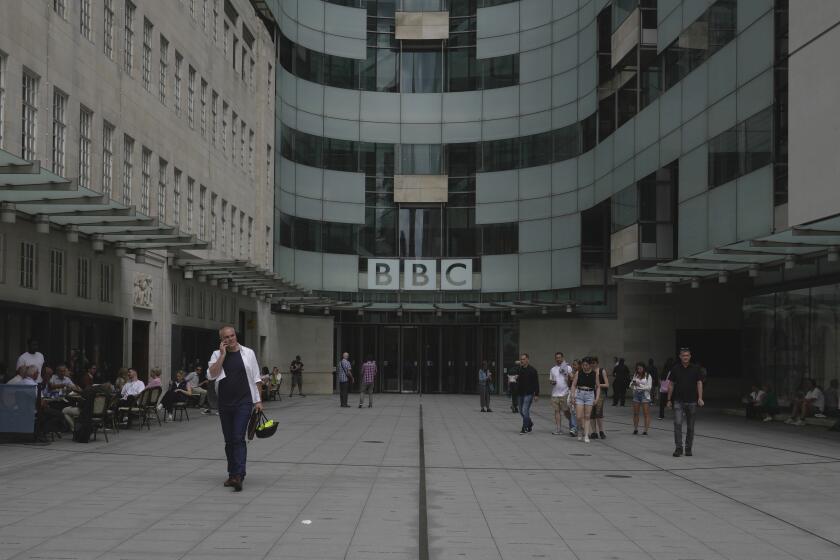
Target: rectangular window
(200, 305)
(59, 132)
(214, 109)
(179, 61)
(3, 73)
(267, 256)
(204, 14)
(242, 240)
(108, 29)
(85, 145)
(29, 116)
(147, 54)
(215, 21)
(224, 126)
(203, 116)
(83, 278)
(107, 158)
(268, 159)
(56, 271)
(145, 179)
(128, 47)
(202, 212)
(128, 168)
(60, 7)
(213, 231)
(233, 127)
(176, 199)
(28, 264)
(242, 64)
(84, 20)
(211, 306)
(188, 297)
(251, 238)
(232, 237)
(251, 70)
(191, 98)
(227, 38)
(223, 241)
(106, 283)
(163, 170)
(176, 296)
(270, 81)
(192, 8)
(164, 68)
(190, 195)
(243, 139)
(251, 152)
(234, 51)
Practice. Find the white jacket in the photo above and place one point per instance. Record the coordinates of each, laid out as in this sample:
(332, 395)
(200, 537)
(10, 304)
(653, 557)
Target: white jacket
(252, 368)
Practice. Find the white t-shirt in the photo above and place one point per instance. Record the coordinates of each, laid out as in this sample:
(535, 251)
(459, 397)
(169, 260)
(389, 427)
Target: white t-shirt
(816, 394)
(558, 375)
(27, 359)
(133, 388)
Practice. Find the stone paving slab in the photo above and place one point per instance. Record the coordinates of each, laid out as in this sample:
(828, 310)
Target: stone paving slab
(753, 490)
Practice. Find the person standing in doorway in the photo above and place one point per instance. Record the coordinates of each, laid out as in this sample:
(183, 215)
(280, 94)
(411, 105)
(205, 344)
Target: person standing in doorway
(345, 378)
(642, 383)
(603, 383)
(369, 371)
(529, 391)
(235, 371)
(560, 379)
(485, 377)
(296, 369)
(685, 394)
(621, 380)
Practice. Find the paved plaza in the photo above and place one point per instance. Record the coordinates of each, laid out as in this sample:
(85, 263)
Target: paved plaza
(346, 483)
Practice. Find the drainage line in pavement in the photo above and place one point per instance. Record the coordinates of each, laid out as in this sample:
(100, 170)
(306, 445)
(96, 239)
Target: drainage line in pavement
(424, 520)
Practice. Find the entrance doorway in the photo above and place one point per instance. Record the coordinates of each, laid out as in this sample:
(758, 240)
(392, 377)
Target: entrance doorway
(428, 358)
(140, 348)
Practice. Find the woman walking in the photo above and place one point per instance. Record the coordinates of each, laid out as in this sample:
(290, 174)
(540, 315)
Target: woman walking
(603, 383)
(485, 377)
(586, 391)
(641, 385)
(664, 385)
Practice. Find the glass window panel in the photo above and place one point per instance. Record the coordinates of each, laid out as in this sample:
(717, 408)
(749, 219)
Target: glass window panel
(421, 71)
(387, 70)
(625, 208)
(459, 8)
(461, 185)
(421, 159)
(378, 236)
(566, 142)
(500, 155)
(461, 70)
(723, 158)
(340, 238)
(307, 234)
(536, 149)
(309, 65)
(759, 140)
(285, 230)
(463, 158)
(502, 71)
(500, 239)
(340, 155)
(308, 149)
(341, 72)
(420, 232)
(462, 235)
(377, 159)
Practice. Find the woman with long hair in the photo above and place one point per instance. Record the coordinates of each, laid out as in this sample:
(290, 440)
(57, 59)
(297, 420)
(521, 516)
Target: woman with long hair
(586, 391)
(603, 383)
(641, 385)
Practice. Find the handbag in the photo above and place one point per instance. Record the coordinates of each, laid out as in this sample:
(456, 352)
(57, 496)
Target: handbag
(664, 385)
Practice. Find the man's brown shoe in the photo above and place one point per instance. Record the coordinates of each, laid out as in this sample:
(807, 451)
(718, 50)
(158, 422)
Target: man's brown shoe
(236, 482)
(229, 482)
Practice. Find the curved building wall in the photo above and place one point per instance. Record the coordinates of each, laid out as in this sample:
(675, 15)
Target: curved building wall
(539, 155)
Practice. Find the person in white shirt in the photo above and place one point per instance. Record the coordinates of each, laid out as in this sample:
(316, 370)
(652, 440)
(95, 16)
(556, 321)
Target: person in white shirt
(133, 386)
(560, 379)
(194, 378)
(811, 404)
(60, 382)
(641, 384)
(32, 358)
(27, 376)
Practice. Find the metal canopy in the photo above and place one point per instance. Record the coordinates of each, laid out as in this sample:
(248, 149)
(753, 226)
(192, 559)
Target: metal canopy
(803, 242)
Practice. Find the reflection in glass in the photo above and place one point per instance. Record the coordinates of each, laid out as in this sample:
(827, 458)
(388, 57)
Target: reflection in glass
(377, 238)
(420, 232)
(421, 159)
(421, 71)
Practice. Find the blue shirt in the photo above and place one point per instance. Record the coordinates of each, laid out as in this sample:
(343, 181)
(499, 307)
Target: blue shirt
(343, 369)
(483, 376)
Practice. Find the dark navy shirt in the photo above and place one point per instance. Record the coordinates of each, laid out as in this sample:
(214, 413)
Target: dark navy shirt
(234, 389)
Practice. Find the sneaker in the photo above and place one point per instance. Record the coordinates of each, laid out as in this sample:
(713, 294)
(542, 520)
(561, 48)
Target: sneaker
(602, 434)
(594, 435)
(635, 432)
(660, 418)
(360, 406)
(768, 419)
(819, 415)
(677, 452)
(799, 423)
(522, 431)
(482, 410)
(586, 439)
(556, 433)
(207, 411)
(488, 410)
(572, 433)
(688, 452)
(790, 420)
(644, 433)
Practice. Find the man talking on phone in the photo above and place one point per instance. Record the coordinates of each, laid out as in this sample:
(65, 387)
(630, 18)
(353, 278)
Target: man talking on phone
(235, 370)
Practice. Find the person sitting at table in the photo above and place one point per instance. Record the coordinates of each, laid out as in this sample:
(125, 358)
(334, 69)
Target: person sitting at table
(180, 390)
(46, 418)
(194, 378)
(84, 403)
(121, 379)
(154, 378)
(60, 383)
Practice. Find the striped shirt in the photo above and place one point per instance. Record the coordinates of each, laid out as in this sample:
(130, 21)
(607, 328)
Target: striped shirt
(368, 371)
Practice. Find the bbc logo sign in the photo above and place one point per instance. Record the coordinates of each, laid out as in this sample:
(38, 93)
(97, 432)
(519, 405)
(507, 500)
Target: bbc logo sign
(421, 274)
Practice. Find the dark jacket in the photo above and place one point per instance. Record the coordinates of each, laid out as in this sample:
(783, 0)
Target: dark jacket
(529, 382)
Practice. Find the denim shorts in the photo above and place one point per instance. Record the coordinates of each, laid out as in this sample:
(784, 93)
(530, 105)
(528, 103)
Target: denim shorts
(639, 397)
(585, 397)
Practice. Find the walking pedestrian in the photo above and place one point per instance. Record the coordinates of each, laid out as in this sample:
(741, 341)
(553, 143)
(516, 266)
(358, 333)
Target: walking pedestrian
(369, 371)
(485, 377)
(621, 380)
(664, 386)
(576, 367)
(641, 384)
(603, 383)
(560, 379)
(513, 387)
(236, 373)
(345, 378)
(654, 376)
(529, 391)
(296, 369)
(586, 390)
(685, 394)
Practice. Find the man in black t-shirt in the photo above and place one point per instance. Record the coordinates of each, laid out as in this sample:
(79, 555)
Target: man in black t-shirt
(296, 369)
(684, 395)
(528, 388)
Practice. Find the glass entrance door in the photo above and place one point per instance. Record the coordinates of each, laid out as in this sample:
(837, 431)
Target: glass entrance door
(411, 357)
(390, 363)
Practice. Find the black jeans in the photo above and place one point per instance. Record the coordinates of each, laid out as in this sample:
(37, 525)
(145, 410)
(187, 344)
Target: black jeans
(689, 411)
(343, 391)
